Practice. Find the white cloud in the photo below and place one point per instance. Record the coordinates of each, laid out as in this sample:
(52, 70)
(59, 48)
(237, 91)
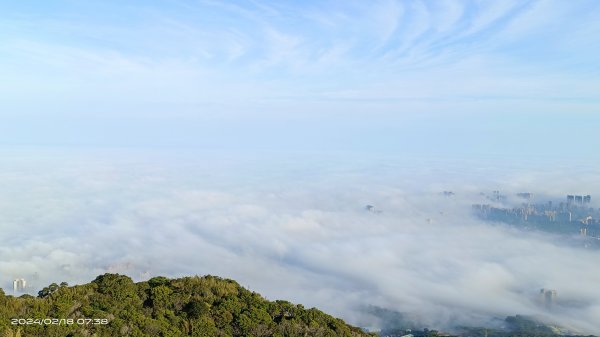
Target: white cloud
(299, 233)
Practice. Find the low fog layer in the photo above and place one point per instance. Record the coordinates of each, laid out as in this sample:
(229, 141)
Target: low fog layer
(296, 228)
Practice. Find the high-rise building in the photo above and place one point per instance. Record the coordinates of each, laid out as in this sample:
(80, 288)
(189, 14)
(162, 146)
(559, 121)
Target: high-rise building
(496, 195)
(579, 199)
(570, 199)
(587, 199)
(548, 297)
(19, 284)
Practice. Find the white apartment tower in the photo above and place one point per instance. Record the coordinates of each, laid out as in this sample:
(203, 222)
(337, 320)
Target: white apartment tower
(19, 284)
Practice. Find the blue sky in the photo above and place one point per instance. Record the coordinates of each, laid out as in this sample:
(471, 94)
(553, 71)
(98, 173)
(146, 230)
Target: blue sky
(454, 77)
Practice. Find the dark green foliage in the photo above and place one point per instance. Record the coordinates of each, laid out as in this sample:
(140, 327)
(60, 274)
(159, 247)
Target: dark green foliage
(196, 309)
(191, 306)
(522, 324)
(158, 281)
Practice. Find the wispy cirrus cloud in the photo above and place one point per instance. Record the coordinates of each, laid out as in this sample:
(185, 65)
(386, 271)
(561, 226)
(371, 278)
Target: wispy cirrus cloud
(195, 60)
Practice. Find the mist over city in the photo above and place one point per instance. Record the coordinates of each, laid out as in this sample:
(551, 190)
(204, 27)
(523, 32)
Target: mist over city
(400, 165)
(300, 230)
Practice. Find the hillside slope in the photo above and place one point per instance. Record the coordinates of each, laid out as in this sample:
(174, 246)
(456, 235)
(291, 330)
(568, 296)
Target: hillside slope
(113, 305)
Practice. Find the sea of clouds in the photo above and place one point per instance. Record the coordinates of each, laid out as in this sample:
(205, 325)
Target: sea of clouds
(294, 226)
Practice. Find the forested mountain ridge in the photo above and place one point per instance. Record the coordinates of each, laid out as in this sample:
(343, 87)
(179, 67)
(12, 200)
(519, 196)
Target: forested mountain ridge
(113, 305)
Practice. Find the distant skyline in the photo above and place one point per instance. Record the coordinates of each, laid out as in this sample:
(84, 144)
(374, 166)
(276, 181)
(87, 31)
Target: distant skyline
(426, 77)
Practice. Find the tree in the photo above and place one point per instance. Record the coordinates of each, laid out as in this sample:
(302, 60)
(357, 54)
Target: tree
(196, 309)
(196, 306)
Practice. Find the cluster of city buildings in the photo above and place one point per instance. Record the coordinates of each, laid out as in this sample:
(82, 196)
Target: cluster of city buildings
(572, 215)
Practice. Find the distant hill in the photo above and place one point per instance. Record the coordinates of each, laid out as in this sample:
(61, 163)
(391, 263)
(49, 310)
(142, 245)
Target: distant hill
(397, 324)
(113, 305)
